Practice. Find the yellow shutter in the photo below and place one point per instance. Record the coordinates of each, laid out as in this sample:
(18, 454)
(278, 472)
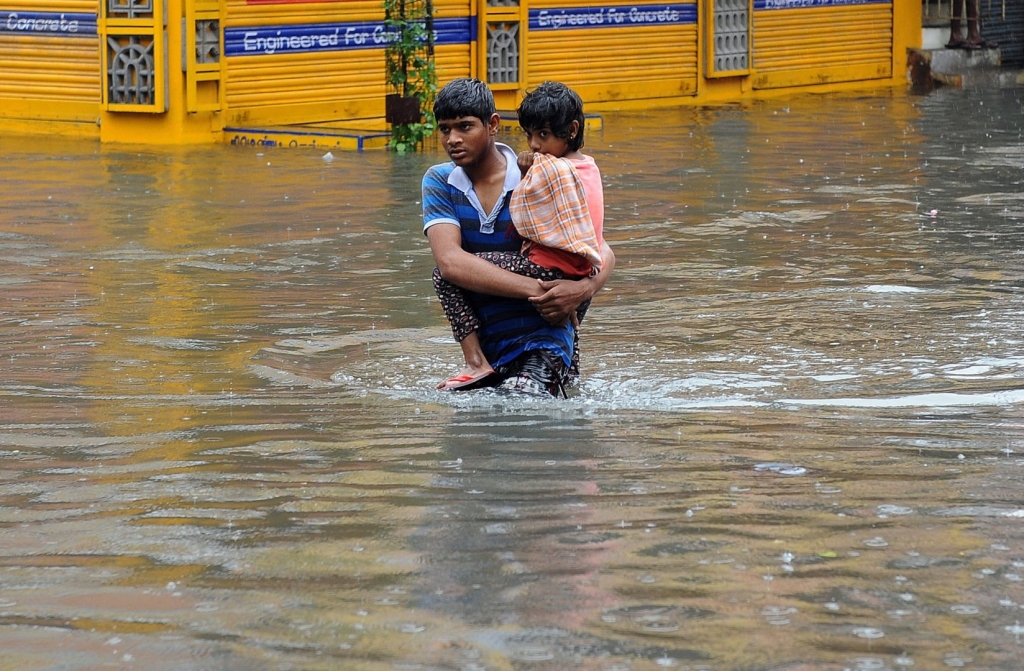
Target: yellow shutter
(823, 44)
(49, 60)
(614, 51)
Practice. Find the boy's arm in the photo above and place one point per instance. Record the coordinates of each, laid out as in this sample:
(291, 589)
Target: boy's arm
(560, 299)
(471, 272)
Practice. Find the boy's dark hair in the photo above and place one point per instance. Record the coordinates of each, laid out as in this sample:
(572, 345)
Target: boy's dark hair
(464, 97)
(555, 106)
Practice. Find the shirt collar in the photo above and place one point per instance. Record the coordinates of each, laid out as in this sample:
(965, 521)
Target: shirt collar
(460, 180)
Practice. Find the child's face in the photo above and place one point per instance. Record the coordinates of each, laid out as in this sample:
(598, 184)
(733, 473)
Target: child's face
(543, 141)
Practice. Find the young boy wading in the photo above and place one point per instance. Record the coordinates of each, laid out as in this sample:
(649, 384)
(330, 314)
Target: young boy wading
(526, 335)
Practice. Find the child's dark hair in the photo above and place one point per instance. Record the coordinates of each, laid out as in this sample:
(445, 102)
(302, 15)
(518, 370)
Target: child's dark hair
(555, 106)
(464, 97)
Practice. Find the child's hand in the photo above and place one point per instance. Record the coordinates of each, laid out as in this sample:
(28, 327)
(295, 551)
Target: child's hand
(524, 160)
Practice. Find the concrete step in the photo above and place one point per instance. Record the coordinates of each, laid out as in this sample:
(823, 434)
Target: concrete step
(965, 68)
(321, 137)
(961, 61)
(935, 37)
(982, 79)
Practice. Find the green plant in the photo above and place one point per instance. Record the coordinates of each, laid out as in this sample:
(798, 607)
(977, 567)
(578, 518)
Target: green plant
(409, 69)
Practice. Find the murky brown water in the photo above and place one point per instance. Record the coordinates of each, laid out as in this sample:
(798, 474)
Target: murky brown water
(799, 443)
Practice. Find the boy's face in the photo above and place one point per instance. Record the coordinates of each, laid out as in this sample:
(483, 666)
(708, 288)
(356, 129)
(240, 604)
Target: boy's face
(467, 139)
(543, 141)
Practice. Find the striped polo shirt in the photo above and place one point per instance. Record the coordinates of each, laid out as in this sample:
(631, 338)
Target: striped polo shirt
(509, 327)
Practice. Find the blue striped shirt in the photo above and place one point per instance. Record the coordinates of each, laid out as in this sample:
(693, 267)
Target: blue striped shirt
(509, 327)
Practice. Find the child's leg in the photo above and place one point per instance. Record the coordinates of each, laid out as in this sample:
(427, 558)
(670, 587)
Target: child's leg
(456, 308)
(464, 323)
(574, 364)
(520, 265)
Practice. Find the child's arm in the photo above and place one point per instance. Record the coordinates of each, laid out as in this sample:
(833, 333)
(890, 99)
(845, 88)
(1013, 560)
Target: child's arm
(524, 160)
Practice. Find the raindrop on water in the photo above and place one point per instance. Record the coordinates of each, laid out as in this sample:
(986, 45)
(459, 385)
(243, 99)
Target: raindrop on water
(535, 655)
(411, 628)
(868, 663)
(890, 509)
(1016, 629)
(964, 609)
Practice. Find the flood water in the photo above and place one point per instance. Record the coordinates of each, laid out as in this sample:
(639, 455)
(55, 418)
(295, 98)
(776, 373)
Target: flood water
(798, 443)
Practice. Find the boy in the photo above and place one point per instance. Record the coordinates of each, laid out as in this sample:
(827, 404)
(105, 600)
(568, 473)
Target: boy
(559, 208)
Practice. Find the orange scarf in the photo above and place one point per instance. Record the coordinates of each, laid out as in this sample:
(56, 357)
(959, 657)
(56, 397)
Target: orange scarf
(549, 207)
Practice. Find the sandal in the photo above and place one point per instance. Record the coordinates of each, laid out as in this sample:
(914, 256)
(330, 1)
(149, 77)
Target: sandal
(982, 43)
(468, 382)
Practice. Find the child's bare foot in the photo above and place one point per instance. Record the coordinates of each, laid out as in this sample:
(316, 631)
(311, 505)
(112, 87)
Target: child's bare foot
(469, 377)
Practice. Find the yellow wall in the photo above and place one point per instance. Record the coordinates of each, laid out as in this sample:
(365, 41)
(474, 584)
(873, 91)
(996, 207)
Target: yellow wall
(323, 61)
(168, 120)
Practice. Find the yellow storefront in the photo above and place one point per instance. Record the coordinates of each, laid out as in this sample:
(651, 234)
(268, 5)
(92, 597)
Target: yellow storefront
(798, 43)
(200, 71)
(50, 64)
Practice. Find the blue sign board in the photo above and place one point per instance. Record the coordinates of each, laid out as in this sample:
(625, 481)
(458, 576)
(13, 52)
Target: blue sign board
(47, 23)
(624, 16)
(317, 37)
(761, 5)
(309, 38)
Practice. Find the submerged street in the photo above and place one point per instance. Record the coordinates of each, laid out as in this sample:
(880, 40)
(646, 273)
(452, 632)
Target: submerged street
(798, 442)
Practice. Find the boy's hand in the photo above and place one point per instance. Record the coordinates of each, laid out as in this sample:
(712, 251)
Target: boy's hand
(524, 160)
(557, 305)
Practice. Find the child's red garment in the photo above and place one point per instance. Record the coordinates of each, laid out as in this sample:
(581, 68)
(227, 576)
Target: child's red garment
(549, 208)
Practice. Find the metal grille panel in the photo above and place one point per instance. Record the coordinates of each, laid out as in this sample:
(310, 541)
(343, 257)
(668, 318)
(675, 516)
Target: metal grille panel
(731, 37)
(131, 77)
(207, 41)
(1002, 22)
(129, 9)
(502, 52)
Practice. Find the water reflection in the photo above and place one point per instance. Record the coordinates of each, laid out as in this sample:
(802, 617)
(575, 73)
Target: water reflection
(797, 441)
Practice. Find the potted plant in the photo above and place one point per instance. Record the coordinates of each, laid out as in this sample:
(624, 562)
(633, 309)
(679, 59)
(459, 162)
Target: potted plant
(409, 72)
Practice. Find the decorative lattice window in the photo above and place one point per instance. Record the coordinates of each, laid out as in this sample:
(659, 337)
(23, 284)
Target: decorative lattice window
(131, 73)
(129, 9)
(132, 33)
(502, 52)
